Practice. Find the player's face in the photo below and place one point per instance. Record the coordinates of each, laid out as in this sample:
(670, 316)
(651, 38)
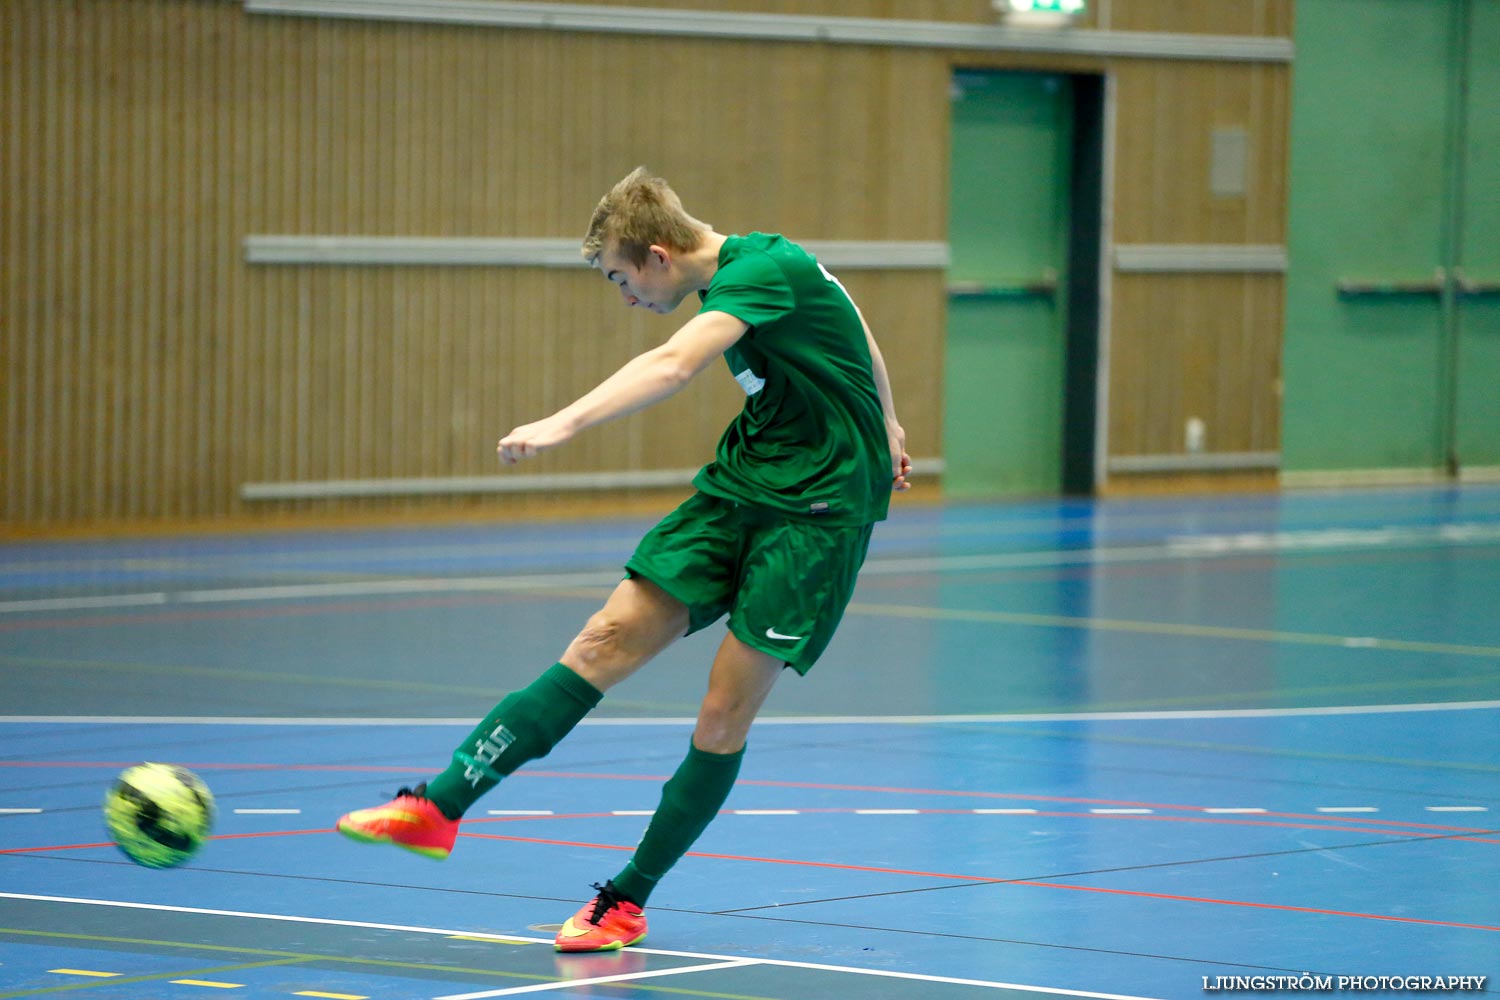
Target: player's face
(649, 285)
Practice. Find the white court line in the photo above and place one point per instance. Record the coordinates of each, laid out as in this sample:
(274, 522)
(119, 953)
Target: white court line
(567, 984)
(511, 939)
(886, 812)
(79, 603)
(18, 812)
(773, 720)
(1458, 809)
(766, 812)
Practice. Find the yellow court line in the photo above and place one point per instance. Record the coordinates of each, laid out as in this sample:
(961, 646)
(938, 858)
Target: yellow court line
(84, 972)
(285, 958)
(208, 982)
(1169, 628)
(156, 978)
(295, 957)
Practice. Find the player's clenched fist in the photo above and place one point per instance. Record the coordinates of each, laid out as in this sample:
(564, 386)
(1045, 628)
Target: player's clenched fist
(532, 439)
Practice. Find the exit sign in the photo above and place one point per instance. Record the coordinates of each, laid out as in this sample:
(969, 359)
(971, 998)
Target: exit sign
(1040, 12)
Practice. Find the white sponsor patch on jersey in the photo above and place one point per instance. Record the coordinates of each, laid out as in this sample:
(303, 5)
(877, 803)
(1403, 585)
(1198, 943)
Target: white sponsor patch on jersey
(750, 382)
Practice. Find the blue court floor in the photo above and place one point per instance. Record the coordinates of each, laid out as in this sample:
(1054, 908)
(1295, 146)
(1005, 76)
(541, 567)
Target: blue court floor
(1146, 748)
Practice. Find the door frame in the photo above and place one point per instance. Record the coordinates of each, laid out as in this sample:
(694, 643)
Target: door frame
(1086, 368)
(1085, 292)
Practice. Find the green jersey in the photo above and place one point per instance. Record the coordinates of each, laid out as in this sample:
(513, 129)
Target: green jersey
(811, 439)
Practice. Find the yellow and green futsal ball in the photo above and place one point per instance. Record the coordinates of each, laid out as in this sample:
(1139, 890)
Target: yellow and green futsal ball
(159, 815)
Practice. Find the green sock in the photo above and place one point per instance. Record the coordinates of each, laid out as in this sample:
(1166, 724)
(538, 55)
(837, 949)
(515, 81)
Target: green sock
(526, 725)
(690, 800)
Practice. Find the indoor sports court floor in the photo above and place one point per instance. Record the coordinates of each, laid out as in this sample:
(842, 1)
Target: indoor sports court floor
(1077, 748)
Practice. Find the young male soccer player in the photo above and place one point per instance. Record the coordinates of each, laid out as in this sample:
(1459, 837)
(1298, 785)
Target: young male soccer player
(773, 537)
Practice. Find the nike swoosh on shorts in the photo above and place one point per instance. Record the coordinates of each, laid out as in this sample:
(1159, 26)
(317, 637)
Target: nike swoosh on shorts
(771, 633)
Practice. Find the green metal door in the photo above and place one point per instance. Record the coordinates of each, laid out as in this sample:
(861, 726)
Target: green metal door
(1008, 236)
(1392, 352)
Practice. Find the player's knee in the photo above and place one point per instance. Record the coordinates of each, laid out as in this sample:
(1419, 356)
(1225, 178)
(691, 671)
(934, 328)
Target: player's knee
(599, 643)
(722, 726)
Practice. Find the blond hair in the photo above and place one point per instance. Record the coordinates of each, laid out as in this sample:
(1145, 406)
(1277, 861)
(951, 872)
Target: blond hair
(637, 213)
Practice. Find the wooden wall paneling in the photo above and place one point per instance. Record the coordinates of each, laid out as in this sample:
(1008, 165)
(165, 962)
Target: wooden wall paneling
(121, 231)
(12, 321)
(1260, 349)
(57, 353)
(73, 386)
(66, 384)
(27, 117)
(1134, 361)
(974, 11)
(1167, 115)
(1157, 170)
(149, 371)
(1244, 17)
(172, 158)
(414, 371)
(1270, 151)
(907, 312)
(205, 247)
(1196, 345)
(41, 434)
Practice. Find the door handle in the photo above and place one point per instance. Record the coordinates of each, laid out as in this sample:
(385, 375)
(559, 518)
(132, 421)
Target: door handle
(1470, 289)
(1352, 288)
(1462, 286)
(1042, 287)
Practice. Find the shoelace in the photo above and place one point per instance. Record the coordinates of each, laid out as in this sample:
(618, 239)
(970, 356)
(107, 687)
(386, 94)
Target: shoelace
(603, 903)
(420, 792)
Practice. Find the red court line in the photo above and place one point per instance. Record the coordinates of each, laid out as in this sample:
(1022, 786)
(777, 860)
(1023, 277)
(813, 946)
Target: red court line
(1212, 820)
(470, 822)
(1259, 906)
(1135, 893)
(1421, 834)
(54, 847)
(110, 843)
(1322, 824)
(1002, 881)
(736, 857)
(1323, 821)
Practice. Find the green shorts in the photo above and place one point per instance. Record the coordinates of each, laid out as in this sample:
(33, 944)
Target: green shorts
(783, 581)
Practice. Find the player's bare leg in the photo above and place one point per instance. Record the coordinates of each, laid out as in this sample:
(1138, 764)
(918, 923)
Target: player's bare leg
(638, 621)
(738, 683)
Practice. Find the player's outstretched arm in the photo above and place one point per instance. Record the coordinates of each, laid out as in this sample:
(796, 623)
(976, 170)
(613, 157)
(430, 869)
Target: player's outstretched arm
(645, 379)
(895, 433)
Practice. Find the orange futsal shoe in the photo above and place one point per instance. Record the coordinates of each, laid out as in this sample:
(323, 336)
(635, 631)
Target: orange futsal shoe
(410, 820)
(606, 923)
